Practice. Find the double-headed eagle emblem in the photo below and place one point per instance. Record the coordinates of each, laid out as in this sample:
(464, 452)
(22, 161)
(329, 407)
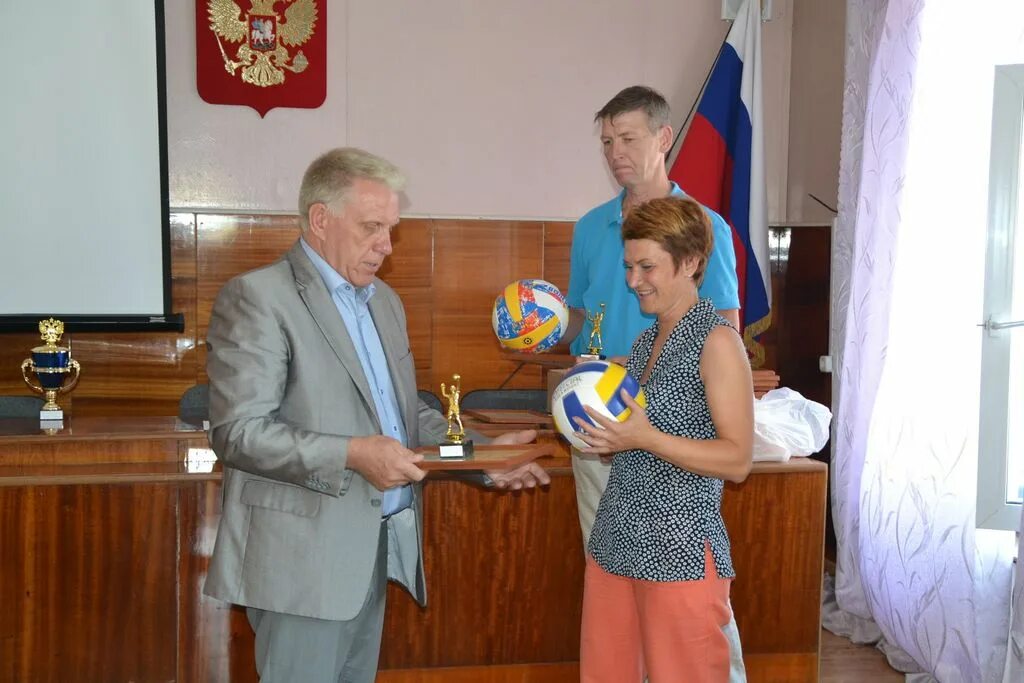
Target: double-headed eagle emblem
(262, 56)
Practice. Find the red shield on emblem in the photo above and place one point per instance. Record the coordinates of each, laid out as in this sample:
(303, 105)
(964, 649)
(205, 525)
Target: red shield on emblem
(272, 53)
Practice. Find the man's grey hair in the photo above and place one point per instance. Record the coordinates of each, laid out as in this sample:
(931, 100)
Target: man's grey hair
(638, 98)
(329, 178)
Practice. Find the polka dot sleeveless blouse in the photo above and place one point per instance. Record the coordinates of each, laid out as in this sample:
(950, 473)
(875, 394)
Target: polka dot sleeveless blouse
(654, 518)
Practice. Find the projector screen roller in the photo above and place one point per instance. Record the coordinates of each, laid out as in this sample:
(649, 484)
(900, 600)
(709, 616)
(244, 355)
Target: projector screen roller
(84, 221)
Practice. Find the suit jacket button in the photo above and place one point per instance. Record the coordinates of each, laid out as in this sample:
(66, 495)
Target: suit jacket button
(375, 503)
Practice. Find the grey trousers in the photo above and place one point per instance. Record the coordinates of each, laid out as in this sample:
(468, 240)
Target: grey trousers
(591, 479)
(291, 648)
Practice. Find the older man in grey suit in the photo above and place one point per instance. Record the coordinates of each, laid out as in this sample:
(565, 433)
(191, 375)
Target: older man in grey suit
(313, 409)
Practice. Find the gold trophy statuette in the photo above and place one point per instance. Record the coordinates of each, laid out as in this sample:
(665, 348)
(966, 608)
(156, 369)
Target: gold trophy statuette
(455, 444)
(51, 364)
(594, 344)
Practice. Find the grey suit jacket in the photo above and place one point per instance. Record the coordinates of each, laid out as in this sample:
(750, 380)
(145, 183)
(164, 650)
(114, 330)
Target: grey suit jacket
(299, 532)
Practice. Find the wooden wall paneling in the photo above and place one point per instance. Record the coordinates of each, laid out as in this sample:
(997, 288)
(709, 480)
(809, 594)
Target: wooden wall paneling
(183, 283)
(411, 263)
(557, 249)
(228, 245)
(473, 261)
(534, 552)
(803, 333)
(449, 320)
(88, 588)
(409, 270)
(14, 348)
(146, 373)
(804, 328)
(418, 313)
(557, 252)
(184, 267)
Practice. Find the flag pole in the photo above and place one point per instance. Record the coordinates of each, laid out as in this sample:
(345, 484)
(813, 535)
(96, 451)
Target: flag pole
(700, 93)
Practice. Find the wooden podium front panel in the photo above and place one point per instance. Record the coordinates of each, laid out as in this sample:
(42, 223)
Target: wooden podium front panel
(780, 592)
(87, 587)
(105, 543)
(504, 580)
(776, 524)
(215, 639)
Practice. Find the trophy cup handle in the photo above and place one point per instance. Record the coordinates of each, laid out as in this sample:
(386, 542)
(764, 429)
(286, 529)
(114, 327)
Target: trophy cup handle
(73, 364)
(26, 366)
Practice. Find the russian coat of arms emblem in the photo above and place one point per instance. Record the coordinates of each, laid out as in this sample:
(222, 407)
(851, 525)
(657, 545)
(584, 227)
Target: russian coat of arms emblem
(256, 51)
(263, 54)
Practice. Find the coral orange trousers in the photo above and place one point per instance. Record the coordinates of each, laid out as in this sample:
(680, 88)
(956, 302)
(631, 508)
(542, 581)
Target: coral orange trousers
(668, 631)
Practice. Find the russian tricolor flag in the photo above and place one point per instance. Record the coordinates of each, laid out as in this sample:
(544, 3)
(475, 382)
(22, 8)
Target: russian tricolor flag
(721, 164)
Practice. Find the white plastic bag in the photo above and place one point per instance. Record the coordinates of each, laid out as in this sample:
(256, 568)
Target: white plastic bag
(787, 424)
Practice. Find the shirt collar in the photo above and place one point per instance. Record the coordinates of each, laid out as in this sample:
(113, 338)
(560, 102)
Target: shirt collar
(335, 283)
(674, 191)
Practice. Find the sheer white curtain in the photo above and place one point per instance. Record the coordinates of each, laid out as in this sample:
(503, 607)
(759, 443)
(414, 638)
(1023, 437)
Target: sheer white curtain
(1015, 646)
(908, 261)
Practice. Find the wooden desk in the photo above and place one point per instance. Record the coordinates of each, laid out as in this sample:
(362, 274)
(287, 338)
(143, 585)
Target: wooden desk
(106, 530)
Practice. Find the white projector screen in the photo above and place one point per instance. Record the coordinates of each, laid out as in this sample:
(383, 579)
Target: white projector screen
(84, 232)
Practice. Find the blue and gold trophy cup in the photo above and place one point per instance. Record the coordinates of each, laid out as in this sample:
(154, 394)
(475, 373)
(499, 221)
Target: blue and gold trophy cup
(52, 365)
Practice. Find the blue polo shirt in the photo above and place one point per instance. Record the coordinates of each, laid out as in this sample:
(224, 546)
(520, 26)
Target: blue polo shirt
(353, 304)
(597, 275)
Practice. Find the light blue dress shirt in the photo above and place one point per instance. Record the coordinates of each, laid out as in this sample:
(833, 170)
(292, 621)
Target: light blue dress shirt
(353, 304)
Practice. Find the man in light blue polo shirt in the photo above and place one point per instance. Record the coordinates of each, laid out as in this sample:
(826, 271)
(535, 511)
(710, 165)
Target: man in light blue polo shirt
(597, 277)
(636, 134)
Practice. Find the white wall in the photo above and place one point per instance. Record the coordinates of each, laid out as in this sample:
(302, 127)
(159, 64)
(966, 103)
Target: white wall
(486, 105)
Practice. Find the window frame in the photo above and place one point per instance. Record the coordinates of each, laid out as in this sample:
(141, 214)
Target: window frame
(993, 510)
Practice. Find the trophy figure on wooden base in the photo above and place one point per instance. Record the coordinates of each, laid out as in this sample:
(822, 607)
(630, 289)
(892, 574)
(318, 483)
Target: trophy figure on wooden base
(455, 444)
(594, 344)
(52, 365)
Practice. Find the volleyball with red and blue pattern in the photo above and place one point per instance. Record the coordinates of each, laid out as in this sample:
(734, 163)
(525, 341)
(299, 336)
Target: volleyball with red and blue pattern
(530, 316)
(595, 383)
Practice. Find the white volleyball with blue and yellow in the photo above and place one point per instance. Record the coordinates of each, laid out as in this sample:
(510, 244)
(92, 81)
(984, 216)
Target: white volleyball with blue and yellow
(595, 383)
(530, 316)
